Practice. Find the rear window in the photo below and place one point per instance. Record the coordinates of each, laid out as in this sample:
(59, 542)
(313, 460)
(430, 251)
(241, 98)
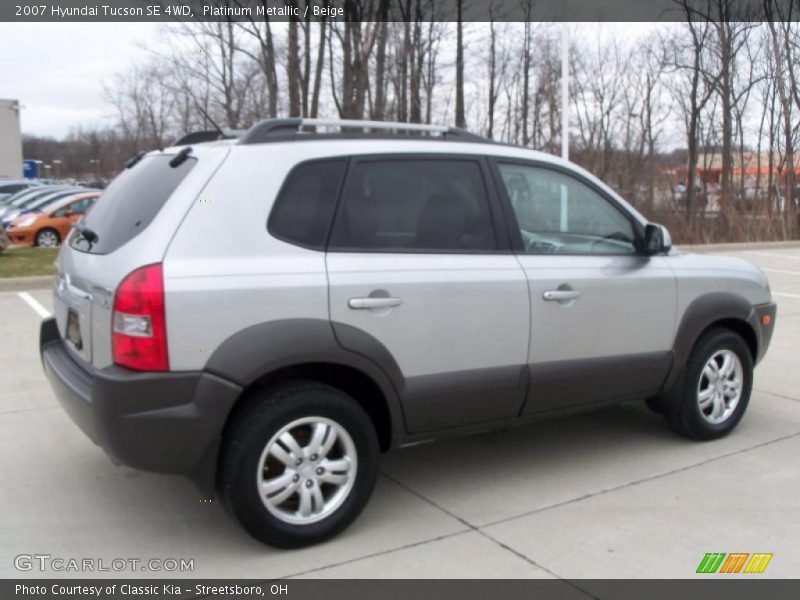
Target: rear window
(131, 202)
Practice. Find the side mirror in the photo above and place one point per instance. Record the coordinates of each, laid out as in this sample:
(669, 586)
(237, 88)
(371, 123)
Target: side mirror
(656, 239)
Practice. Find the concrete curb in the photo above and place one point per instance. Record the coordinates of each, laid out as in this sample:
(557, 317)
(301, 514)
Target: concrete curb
(20, 284)
(740, 246)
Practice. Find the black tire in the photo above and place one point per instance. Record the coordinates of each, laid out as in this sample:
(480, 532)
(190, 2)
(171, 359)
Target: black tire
(254, 426)
(47, 230)
(681, 407)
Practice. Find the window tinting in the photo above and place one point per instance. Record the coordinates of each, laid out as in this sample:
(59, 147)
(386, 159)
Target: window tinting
(557, 213)
(414, 205)
(304, 207)
(131, 202)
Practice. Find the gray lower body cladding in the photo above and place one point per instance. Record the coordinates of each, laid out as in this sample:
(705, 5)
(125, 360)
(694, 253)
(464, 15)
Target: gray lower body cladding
(163, 422)
(555, 386)
(173, 422)
(436, 402)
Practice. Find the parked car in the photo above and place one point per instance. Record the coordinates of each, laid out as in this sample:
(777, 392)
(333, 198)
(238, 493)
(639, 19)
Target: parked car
(44, 196)
(15, 200)
(50, 224)
(8, 200)
(9, 187)
(268, 331)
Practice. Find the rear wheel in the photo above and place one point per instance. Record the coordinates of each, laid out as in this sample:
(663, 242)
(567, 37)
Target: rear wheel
(299, 464)
(47, 238)
(714, 389)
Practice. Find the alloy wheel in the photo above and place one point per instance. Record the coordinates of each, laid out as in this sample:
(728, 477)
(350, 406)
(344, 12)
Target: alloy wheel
(307, 470)
(720, 387)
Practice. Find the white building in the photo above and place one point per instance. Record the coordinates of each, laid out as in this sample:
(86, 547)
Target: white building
(10, 140)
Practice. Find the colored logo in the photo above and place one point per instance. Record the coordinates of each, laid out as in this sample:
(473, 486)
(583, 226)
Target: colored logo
(735, 562)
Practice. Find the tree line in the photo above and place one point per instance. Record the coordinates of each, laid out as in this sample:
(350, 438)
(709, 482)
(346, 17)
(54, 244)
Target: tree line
(696, 122)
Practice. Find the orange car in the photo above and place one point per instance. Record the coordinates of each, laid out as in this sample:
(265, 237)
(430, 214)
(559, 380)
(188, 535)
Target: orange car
(51, 224)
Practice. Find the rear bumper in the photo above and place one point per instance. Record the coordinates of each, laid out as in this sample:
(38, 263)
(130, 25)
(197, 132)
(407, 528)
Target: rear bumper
(763, 330)
(163, 422)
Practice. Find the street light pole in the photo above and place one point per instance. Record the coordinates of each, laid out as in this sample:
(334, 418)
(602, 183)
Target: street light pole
(565, 90)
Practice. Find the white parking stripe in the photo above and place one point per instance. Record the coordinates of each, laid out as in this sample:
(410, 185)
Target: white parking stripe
(785, 295)
(773, 254)
(34, 304)
(780, 271)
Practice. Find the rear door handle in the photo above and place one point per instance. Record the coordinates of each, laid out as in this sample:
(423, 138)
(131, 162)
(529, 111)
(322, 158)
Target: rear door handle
(370, 302)
(561, 295)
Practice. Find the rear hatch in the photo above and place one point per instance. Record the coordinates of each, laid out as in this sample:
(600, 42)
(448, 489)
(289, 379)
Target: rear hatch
(130, 225)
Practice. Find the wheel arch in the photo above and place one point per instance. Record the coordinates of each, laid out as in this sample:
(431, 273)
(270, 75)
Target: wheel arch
(269, 353)
(715, 309)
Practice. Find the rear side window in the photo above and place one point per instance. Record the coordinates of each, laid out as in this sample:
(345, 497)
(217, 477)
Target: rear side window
(414, 205)
(131, 202)
(304, 207)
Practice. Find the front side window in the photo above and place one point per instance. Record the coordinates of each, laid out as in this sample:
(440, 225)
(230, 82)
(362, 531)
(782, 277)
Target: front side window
(558, 214)
(414, 205)
(78, 208)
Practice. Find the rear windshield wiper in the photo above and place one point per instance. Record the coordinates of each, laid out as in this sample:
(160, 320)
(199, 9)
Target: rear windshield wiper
(180, 157)
(86, 233)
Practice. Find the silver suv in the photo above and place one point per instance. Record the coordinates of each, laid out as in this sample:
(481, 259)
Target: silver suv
(267, 313)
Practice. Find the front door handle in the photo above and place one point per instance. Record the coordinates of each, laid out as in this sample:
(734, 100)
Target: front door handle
(561, 295)
(372, 302)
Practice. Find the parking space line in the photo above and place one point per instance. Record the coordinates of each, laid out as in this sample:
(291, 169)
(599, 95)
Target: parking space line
(34, 304)
(780, 271)
(773, 254)
(785, 295)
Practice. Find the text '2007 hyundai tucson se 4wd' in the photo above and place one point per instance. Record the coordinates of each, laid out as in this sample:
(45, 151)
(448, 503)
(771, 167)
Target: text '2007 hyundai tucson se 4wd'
(269, 312)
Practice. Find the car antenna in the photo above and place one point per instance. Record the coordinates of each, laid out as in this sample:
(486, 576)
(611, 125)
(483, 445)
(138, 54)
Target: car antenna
(135, 159)
(216, 127)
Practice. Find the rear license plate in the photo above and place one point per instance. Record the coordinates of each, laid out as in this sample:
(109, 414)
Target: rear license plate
(74, 329)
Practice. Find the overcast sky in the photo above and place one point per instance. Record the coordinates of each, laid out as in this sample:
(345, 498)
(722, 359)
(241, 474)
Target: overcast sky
(57, 70)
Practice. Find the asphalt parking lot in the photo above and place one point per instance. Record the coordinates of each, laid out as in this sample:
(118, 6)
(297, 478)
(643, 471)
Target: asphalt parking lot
(608, 494)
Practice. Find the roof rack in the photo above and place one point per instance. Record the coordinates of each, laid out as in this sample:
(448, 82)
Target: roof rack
(210, 135)
(288, 129)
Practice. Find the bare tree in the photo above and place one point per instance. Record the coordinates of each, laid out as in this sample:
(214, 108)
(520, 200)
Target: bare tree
(356, 40)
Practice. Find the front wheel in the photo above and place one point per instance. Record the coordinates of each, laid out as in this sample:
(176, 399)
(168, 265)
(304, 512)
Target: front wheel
(298, 464)
(47, 238)
(715, 386)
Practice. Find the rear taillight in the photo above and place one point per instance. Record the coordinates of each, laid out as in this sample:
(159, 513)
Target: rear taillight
(139, 337)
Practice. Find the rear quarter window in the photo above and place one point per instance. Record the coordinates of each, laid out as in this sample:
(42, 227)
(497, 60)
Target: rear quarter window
(131, 202)
(304, 207)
